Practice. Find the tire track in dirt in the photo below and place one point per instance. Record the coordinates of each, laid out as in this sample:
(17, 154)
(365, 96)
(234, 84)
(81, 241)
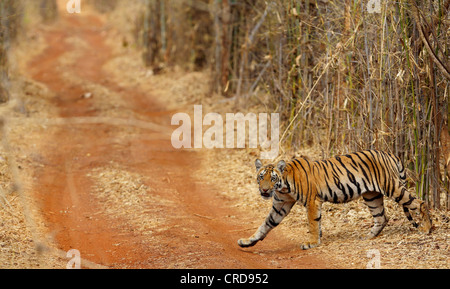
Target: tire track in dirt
(197, 231)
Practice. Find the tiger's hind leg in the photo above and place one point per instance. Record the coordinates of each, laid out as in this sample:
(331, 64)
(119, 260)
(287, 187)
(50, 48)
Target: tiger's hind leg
(374, 201)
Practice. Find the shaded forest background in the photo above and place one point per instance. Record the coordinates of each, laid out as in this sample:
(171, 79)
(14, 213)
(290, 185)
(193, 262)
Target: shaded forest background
(344, 75)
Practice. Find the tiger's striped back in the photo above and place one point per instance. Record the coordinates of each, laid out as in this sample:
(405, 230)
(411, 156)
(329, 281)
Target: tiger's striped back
(345, 178)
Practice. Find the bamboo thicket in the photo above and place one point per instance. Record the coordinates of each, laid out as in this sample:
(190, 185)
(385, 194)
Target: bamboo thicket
(175, 32)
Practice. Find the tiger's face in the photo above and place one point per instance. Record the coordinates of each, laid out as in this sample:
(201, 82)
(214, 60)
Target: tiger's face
(269, 178)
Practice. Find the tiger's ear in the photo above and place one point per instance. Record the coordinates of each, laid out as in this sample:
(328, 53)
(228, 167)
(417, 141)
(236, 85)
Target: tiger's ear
(258, 164)
(281, 165)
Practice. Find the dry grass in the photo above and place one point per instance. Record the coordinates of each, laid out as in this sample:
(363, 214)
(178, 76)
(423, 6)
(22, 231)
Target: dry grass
(23, 240)
(16, 244)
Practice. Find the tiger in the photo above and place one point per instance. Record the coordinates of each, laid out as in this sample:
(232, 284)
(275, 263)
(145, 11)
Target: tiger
(371, 174)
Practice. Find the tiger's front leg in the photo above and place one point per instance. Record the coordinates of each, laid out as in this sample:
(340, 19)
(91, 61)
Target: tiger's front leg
(280, 209)
(314, 208)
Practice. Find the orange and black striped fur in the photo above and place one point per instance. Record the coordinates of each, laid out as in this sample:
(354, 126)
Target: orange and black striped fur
(371, 174)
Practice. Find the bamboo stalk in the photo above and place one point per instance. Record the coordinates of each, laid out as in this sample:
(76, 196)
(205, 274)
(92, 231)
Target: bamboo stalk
(439, 63)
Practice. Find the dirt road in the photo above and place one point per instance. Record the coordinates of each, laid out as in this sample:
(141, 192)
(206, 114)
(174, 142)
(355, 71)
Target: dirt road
(191, 226)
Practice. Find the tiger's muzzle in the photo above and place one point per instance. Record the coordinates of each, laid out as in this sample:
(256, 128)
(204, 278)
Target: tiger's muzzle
(265, 193)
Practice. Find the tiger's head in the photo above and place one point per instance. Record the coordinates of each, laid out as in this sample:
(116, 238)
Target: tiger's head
(269, 178)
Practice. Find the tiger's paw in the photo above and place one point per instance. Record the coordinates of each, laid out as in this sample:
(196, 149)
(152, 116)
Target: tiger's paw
(426, 224)
(369, 236)
(244, 243)
(425, 228)
(308, 245)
